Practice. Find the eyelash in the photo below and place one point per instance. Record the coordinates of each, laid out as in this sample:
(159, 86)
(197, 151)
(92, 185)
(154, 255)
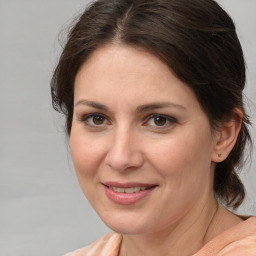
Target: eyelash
(85, 119)
(168, 120)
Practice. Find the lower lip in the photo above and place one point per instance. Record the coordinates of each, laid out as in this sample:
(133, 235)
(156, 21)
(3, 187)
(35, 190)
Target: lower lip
(125, 198)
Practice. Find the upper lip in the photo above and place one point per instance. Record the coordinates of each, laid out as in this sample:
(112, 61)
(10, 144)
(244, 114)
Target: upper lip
(128, 184)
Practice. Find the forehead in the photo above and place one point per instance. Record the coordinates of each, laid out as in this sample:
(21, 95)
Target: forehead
(120, 71)
(123, 60)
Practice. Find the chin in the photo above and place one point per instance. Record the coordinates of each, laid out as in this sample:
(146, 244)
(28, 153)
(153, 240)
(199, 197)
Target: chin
(127, 228)
(131, 225)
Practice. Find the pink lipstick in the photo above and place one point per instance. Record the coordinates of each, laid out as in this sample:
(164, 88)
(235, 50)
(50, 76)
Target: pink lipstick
(127, 193)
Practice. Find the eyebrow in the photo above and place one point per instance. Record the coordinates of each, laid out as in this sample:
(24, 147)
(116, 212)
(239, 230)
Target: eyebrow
(157, 105)
(92, 104)
(141, 108)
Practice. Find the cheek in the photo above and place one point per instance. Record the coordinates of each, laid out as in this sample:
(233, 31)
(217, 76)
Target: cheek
(85, 153)
(185, 168)
(86, 159)
(182, 155)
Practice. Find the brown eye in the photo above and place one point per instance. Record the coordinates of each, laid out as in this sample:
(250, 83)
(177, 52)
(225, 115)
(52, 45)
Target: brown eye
(95, 120)
(98, 120)
(160, 121)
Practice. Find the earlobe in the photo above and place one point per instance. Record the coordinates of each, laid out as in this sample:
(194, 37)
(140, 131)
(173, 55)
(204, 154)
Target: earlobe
(227, 136)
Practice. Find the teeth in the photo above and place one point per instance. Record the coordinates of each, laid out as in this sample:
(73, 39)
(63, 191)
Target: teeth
(137, 189)
(128, 190)
(120, 190)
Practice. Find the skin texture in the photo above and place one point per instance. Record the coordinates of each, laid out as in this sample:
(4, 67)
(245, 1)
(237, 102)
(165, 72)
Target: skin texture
(115, 138)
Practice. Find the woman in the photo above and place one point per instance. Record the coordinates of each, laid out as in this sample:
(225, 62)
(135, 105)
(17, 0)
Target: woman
(152, 93)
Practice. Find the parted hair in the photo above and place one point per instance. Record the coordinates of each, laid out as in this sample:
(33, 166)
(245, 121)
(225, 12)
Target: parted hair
(196, 38)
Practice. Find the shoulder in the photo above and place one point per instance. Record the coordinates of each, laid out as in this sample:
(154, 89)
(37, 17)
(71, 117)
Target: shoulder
(105, 246)
(238, 240)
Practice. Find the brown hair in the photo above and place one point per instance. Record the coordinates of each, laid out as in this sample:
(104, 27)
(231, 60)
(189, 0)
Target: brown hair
(195, 38)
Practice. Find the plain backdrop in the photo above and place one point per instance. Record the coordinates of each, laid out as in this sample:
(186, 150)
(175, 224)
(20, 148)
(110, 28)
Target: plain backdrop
(43, 212)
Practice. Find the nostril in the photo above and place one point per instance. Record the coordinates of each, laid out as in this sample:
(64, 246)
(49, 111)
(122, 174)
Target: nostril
(122, 161)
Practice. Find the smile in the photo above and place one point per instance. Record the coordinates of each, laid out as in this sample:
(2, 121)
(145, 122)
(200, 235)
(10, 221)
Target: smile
(128, 190)
(129, 193)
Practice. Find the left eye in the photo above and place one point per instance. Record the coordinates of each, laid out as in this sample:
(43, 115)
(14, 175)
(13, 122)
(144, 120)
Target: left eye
(160, 121)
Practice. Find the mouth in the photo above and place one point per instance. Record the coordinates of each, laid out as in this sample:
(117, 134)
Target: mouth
(128, 193)
(129, 190)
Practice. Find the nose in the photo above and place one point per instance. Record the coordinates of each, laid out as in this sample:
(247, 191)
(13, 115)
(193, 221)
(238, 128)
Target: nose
(124, 152)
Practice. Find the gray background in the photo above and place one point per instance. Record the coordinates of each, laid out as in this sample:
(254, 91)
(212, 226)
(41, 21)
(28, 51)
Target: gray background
(43, 212)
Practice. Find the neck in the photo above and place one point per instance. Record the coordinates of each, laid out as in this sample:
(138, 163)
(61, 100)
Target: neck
(184, 237)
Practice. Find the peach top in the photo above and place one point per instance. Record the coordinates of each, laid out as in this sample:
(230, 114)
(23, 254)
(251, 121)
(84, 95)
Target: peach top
(238, 240)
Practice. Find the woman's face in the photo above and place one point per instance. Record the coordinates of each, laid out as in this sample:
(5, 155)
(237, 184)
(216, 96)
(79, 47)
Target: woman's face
(142, 146)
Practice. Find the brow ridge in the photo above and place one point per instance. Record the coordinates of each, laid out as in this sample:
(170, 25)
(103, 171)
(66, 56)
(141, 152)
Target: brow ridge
(139, 109)
(92, 104)
(157, 105)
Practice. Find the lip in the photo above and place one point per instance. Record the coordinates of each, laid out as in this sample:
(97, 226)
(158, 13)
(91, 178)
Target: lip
(125, 198)
(127, 185)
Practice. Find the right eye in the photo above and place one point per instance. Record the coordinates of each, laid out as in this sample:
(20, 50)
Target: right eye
(94, 120)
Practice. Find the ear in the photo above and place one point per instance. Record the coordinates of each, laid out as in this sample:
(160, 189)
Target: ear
(226, 136)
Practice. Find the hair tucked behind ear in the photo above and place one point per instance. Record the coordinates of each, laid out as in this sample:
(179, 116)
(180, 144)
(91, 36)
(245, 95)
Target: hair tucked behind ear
(227, 183)
(195, 38)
